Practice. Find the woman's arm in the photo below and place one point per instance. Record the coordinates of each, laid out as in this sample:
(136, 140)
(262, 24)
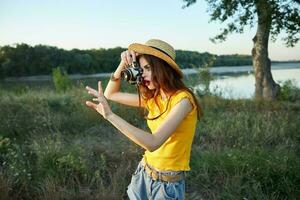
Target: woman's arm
(148, 141)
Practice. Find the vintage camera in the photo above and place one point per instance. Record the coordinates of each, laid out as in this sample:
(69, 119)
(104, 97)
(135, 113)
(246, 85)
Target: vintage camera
(133, 74)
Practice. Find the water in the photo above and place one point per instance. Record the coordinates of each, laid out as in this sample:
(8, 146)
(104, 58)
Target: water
(243, 86)
(230, 82)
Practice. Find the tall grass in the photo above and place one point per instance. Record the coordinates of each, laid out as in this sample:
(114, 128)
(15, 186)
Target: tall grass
(53, 147)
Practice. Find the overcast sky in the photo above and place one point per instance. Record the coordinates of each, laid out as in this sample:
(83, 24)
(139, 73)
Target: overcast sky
(87, 24)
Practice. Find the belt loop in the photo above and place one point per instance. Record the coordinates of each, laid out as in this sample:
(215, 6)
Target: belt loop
(159, 176)
(143, 164)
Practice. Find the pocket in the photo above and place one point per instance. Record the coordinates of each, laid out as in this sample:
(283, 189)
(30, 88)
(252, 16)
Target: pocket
(169, 190)
(136, 179)
(137, 170)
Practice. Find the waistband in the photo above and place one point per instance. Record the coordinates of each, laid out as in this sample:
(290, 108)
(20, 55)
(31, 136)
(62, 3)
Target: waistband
(161, 175)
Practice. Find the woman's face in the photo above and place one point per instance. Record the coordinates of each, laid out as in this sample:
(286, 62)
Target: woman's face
(147, 76)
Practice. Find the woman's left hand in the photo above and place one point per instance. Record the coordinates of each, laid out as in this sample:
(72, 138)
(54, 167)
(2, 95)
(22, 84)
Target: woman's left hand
(102, 107)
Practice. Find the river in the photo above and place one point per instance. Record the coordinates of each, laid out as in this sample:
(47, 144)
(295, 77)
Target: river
(230, 82)
(241, 85)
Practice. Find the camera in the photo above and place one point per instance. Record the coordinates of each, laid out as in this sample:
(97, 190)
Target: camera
(133, 74)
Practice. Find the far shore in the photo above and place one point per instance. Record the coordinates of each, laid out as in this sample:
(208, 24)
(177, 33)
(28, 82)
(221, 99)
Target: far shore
(220, 70)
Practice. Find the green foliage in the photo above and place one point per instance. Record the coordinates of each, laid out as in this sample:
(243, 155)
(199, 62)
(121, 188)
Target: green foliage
(283, 15)
(26, 60)
(289, 91)
(205, 77)
(53, 147)
(61, 80)
(72, 163)
(44, 112)
(15, 161)
(4, 144)
(194, 59)
(232, 60)
(270, 17)
(55, 158)
(247, 174)
(2, 73)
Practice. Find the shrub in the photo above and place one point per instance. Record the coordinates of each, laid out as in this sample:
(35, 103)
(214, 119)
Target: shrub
(289, 91)
(205, 77)
(61, 80)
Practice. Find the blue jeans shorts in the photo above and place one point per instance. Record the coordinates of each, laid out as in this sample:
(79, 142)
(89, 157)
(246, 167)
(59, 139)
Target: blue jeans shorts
(143, 187)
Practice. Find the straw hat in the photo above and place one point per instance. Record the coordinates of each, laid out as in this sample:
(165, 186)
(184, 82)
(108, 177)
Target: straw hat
(160, 49)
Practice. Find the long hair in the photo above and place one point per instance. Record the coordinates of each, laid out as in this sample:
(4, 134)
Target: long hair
(166, 78)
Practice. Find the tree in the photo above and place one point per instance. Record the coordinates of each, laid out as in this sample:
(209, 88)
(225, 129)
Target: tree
(271, 17)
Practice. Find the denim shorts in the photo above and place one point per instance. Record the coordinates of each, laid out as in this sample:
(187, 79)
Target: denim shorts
(142, 187)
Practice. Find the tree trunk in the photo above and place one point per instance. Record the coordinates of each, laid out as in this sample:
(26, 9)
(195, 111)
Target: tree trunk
(265, 86)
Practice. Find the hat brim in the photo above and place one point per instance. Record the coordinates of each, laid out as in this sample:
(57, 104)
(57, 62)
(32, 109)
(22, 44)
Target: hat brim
(144, 49)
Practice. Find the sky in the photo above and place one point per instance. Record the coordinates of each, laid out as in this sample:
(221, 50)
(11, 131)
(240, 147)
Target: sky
(87, 24)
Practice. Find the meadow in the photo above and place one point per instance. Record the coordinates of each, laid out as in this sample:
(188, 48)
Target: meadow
(53, 147)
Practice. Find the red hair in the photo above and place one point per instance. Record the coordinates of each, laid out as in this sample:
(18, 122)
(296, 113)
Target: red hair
(166, 78)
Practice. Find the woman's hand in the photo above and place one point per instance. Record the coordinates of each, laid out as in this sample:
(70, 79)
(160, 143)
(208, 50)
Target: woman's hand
(102, 107)
(127, 57)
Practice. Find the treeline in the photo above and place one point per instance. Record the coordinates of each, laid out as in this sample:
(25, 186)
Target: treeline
(26, 60)
(192, 59)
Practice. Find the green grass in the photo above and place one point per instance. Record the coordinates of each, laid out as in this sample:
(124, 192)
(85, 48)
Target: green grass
(53, 147)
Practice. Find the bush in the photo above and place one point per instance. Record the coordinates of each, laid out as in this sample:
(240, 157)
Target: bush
(205, 77)
(61, 80)
(289, 91)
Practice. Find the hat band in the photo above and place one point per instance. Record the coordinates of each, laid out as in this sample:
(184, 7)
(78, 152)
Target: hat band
(161, 51)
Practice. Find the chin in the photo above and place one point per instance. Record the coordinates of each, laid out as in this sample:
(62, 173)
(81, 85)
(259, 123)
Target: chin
(151, 88)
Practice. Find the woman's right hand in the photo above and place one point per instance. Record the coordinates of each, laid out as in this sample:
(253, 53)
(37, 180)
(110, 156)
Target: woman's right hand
(127, 57)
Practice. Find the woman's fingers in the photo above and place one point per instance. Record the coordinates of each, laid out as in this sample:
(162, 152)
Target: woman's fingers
(100, 105)
(91, 104)
(133, 56)
(98, 94)
(128, 57)
(100, 88)
(123, 58)
(92, 91)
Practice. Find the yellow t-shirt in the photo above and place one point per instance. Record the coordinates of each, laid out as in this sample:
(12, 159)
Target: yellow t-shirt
(174, 154)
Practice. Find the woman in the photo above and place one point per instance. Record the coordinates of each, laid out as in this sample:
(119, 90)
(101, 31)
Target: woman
(172, 115)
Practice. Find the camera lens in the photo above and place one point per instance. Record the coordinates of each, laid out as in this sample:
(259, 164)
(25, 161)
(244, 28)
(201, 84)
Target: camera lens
(132, 74)
(127, 75)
